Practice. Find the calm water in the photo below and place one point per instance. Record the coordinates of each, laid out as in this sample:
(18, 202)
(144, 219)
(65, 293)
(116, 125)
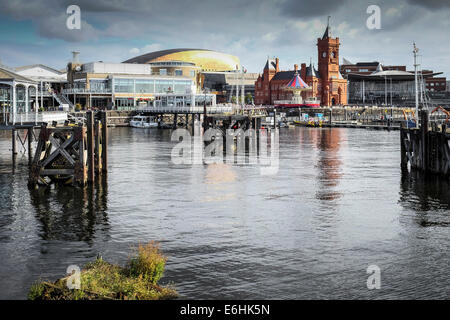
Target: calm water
(338, 204)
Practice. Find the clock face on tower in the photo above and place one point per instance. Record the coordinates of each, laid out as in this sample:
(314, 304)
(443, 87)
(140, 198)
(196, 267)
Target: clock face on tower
(324, 54)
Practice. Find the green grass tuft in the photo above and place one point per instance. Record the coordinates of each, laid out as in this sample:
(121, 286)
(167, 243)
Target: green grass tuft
(103, 280)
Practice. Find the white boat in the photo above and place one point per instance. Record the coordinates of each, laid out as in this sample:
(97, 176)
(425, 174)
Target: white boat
(144, 122)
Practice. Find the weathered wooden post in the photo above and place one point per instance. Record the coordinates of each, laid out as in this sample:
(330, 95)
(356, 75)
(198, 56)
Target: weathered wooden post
(14, 149)
(30, 151)
(90, 145)
(80, 169)
(97, 148)
(274, 118)
(424, 136)
(104, 119)
(175, 119)
(403, 156)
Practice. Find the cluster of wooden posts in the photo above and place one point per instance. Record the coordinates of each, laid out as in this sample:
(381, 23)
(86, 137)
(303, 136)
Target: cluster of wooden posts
(426, 148)
(71, 154)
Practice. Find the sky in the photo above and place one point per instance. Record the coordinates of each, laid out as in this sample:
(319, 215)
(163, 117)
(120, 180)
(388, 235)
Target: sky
(35, 31)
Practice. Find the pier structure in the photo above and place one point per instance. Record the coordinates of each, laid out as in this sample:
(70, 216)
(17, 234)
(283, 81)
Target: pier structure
(71, 154)
(426, 147)
(368, 117)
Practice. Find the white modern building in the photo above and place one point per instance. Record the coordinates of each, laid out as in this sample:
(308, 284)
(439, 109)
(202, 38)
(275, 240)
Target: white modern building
(125, 86)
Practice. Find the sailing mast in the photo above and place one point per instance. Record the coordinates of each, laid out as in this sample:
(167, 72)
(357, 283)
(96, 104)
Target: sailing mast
(415, 51)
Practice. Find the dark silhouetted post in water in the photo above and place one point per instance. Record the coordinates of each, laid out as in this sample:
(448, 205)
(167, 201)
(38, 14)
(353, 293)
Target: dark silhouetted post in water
(30, 151)
(424, 133)
(97, 153)
(175, 119)
(403, 156)
(104, 116)
(274, 118)
(14, 149)
(80, 166)
(90, 144)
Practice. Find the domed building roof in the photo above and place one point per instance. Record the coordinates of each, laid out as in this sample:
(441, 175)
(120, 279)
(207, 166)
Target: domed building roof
(207, 60)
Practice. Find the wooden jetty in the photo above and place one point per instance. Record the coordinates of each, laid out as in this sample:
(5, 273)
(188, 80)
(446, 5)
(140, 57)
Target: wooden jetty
(359, 117)
(71, 154)
(426, 148)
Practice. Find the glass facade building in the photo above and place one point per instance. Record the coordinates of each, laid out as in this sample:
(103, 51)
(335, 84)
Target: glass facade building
(126, 85)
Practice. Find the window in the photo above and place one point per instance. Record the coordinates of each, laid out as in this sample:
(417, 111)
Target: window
(98, 85)
(192, 73)
(178, 72)
(363, 70)
(124, 103)
(162, 86)
(181, 86)
(348, 70)
(124, 85)
(163, 72)
(144, 86)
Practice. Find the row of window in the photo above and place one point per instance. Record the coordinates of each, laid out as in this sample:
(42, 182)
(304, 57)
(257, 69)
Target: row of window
(151, 86)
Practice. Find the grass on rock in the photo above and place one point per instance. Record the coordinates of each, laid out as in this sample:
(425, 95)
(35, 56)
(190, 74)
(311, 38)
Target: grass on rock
(138, 280)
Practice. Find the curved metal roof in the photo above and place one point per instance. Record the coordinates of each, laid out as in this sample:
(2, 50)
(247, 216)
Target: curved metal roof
(153, 55)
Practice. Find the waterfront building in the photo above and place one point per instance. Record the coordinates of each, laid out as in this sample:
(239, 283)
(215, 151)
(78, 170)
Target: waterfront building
(206, 60)
(224, 84)
(18, 95)
(365, 68)
(214, 71)
(393, 87)
(349, 70)
(50, 83)
(326, 82)
(123, 86)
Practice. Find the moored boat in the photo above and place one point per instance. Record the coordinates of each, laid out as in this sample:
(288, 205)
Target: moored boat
(143, 122)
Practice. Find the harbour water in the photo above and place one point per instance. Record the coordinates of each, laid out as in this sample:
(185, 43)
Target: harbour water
(338, 204)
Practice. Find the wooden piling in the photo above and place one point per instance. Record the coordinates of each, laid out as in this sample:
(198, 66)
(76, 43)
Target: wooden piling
(90, 145)
(30, 151)
(104, 120)
(97, 148)
(424, 137)
(80, 169)
(175, 119)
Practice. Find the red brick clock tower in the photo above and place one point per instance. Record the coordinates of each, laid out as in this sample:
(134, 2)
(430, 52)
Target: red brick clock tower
(334, 87)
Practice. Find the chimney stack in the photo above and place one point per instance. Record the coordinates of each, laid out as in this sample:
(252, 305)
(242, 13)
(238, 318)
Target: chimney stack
(295, 67)
(303, 71)
(75, 57)
(277, 62)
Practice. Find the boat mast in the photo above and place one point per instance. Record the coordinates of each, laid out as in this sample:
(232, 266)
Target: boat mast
(415, 81)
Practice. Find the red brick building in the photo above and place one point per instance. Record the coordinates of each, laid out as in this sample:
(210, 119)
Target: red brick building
(327, 83)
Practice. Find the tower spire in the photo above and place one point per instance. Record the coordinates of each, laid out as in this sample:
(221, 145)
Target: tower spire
(327, 33)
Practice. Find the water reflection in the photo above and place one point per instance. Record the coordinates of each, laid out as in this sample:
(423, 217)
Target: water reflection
(72, 214)
(328, 164)
(428, 195)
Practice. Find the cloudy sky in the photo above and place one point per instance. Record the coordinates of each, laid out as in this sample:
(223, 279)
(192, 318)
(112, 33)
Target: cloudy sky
(34, 31)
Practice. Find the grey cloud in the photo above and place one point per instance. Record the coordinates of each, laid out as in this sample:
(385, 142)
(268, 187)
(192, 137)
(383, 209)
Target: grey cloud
(310, 9)
(431, 4)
